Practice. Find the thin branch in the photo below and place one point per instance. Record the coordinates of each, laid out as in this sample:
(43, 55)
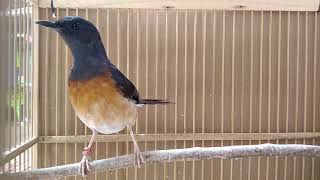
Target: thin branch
(189, 154)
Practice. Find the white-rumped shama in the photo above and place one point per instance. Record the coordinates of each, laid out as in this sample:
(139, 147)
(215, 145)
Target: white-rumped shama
(102, 97)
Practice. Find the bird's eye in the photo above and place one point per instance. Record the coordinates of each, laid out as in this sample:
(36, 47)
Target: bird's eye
(75, 26)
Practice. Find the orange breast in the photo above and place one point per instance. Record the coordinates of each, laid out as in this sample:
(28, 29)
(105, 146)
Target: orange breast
(99, 104)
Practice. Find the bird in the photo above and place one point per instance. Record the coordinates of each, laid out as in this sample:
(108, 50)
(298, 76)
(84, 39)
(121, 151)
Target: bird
(103, 98)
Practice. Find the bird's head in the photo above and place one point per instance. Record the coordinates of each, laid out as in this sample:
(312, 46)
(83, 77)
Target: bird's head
(84, 41)
(76, 32)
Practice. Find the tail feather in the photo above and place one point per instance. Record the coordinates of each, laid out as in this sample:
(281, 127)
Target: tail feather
(153, 101)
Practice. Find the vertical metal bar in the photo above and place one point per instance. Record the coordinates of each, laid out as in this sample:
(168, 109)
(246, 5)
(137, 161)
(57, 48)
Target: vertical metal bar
(269, 80)
(194, 84)
(32, 84)
(24, 89)
(35, 83)
(157, 65)
(26, 81)
(214, 28)
(76, 122)
(185, 84)
(297, 90)
(242, 80)
(314, 87)
(287, 90)
(204, 37)
(27, 90)
(147, 83)
(85, 127)
(260, 86)
(260, 76)
(19, 89)
(28, 70)
(166, 72)
(176, 88)
(96, 143)
(108, 43)
(57, 84)
(14, 78)
(46, 92)
(222, 84)
(156, 88)
(232, 85)
(29, 83)
(3, 89)
(66, 97)
(118, 35)
(251, 87)
(165, 87)
(20, 81)
(137, 73)
(278, 85)
(9, 135)
(128, 66)
(128, 39)
(305, 89)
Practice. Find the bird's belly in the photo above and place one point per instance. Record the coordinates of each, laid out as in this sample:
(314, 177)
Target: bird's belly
(106, 124)
(100, 106)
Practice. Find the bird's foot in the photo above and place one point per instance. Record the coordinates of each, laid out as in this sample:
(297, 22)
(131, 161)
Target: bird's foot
(84, 167)
(138, 159)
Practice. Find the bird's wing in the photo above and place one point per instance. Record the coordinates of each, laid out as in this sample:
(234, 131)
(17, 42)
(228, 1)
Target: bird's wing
(126, 87)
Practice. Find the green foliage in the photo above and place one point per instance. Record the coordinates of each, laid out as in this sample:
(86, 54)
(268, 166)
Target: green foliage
(16, 96)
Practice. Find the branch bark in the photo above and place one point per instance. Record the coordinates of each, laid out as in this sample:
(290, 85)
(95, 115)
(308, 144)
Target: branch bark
(189, 154)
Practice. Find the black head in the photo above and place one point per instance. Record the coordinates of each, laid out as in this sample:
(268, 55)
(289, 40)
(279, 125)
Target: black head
(74, 30)
(84, 41)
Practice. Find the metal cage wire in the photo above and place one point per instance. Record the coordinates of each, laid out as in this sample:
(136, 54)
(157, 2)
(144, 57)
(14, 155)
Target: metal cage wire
(16, 85)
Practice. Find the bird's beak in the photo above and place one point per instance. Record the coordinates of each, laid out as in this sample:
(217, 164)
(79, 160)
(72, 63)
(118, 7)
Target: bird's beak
(49, 24)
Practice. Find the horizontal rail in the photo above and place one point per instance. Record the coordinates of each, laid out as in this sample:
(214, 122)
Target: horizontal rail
(156, 137)
(7, 156)
(171, 155)
(275, 5)
(180, 136)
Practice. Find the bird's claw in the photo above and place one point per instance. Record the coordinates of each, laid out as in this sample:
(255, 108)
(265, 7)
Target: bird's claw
(138, 159)
(84, 167)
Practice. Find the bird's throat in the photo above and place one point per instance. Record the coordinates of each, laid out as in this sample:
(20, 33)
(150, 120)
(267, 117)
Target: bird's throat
(88, 62)
(86, 67)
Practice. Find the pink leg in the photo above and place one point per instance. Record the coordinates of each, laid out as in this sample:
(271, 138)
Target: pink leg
(85, 168)
(138, 159)
(92, 138)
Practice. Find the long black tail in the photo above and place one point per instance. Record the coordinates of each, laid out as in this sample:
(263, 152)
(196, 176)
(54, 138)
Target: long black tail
(153, 101)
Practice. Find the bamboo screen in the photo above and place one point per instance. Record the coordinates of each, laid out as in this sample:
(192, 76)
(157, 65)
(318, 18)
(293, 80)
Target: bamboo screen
(16, 118)
(241, 77)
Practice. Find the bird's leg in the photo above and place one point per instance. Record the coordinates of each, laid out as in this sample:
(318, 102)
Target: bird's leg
(85, 168)
(138, 159)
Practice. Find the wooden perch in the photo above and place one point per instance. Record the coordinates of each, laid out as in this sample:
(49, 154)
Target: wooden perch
(189, 154)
